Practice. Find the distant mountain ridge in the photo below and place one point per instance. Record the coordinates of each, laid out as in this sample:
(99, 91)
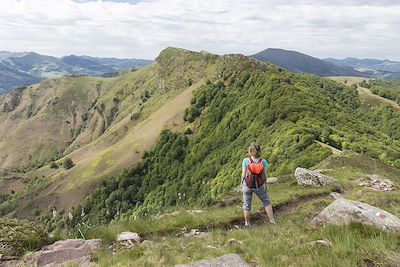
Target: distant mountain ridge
(383, 69)
(298, 62)
(22, 68)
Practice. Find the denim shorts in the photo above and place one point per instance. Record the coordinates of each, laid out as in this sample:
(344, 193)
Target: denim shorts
(248, 194)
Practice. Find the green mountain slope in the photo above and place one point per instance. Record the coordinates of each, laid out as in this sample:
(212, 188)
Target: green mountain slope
(103, 125)
(287, 114)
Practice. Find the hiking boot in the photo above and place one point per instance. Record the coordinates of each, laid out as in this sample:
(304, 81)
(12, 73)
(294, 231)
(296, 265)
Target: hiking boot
(246, 226)
(272, 221)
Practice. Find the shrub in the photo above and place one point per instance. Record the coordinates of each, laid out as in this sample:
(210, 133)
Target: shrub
(68, 163)
(18, 237)
(54, 165)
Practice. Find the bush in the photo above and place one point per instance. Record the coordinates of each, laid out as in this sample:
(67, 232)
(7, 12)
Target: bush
(68, 163)
(54, 165)
(18, 237)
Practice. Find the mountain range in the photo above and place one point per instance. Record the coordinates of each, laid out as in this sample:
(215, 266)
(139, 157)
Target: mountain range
(299, 62)
(20, 69)
(382, 69)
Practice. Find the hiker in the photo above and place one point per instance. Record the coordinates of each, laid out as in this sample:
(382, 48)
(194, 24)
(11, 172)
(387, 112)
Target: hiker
(253, 180)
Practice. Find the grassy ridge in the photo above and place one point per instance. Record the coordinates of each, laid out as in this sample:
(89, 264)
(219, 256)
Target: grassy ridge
(283, 112)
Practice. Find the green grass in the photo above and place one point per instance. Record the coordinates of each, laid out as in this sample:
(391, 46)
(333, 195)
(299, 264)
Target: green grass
(214, 217)
(282, 245)
(285, 244)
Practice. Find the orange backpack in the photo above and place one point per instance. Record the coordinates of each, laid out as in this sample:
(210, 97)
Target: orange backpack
(255, 177)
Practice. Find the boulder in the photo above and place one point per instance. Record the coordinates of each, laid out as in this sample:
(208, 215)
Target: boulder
(228, 260)
(307, 177)
(272, 180)
(129, 236)
(76, 252)
(343, 211)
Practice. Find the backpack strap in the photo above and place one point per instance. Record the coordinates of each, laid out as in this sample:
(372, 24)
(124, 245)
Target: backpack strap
(250, 160)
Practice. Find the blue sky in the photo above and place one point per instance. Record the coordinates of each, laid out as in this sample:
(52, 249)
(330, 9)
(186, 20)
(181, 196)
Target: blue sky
(141, 29)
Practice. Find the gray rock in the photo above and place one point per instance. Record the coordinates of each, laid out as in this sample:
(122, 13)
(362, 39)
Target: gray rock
(65, 252)
(129, 236)
(307, 177)
(229, 260)
(343, 211)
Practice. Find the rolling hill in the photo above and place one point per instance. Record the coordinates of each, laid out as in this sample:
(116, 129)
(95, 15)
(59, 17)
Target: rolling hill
(20, 69)
(298, 62)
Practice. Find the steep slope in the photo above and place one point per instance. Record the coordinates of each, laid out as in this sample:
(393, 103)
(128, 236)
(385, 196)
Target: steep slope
(127, 115)
(298, 62)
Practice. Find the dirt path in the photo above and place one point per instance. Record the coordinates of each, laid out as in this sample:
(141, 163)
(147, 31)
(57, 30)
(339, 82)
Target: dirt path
(260, 218)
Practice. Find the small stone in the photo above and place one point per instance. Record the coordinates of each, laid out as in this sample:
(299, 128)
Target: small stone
(272, 180)
(234, 241)
(125, 236)
(322, 242)
(195, 211)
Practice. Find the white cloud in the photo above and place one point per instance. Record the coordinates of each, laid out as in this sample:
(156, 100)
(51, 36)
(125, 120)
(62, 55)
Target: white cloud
(107, 28)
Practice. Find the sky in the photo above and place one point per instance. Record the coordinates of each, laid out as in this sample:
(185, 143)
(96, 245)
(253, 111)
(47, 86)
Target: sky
(142, 28)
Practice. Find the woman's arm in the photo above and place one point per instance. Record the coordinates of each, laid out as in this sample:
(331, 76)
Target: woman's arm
(243, 173)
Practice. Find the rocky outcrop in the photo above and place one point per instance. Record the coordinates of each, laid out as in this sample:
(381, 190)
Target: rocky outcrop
(228, 260)
(343, 211)
(307, 177)
(377, 183)
(76, 252)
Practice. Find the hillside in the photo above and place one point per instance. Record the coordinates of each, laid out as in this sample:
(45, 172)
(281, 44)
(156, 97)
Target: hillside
(298, 62)
(169, 154)
(222, 118)
(109, 125)
(20, 69)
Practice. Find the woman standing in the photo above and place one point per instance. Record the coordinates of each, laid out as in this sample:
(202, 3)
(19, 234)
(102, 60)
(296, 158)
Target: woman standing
(253, 181)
